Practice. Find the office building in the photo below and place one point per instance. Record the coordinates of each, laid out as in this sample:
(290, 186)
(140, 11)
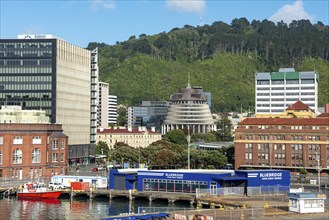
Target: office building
(113, 110)
(48, 73)
(284, 142)
(276, 91)
(30, 147)
(189, 111)
(103, 105)
(149, 114)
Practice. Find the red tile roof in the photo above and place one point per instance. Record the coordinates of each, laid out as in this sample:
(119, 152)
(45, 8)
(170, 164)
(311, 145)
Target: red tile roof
(323, 115)
(123, 131)
(298, 106)
(285, 121)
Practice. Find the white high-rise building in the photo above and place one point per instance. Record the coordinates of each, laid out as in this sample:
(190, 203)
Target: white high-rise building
(103, 103)
(112, 109)
(276, 91)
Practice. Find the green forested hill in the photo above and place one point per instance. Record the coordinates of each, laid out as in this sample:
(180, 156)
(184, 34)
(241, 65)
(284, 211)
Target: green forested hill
(221, 58)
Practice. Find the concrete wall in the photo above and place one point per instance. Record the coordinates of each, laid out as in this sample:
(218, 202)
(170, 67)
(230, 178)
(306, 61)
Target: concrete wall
(73, 91)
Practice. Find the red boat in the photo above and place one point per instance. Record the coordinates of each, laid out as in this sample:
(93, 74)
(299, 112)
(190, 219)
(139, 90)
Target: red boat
(37, 191)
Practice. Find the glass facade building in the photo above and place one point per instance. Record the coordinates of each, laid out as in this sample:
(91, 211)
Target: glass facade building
(27, 73)
(44, 72)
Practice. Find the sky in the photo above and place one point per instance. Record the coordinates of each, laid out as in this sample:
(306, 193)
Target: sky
(109, 21)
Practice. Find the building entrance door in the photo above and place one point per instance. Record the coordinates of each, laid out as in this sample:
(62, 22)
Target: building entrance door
(213, 188)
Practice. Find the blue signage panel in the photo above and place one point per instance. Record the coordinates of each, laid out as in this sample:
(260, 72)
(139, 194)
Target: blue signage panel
(265, 177)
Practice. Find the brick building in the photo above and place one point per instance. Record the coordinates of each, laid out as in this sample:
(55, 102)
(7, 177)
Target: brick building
(283, 143)
(29, 151)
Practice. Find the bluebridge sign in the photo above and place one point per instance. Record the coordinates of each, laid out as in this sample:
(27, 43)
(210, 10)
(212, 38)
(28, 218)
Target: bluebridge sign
(265, 177)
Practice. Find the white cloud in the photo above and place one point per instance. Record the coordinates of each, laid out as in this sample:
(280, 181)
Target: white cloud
(107, 4)
(288, 13)
(194, 6)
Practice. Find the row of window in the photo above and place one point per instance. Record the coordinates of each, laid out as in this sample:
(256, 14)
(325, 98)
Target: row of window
(282, 82)
(22, 63)
(294, 147)
(25, 69)
(26, 79)
(287, 94)
(36, 140)
(286, 88)
(25, 45)
(36, 156)
(278, 127)
(182, 186)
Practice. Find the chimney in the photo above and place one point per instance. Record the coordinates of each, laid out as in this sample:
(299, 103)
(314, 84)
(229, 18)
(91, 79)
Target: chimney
(153, 129)
(130, 128)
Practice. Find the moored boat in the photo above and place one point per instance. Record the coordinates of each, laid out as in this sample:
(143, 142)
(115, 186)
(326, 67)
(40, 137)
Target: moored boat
(37, 191)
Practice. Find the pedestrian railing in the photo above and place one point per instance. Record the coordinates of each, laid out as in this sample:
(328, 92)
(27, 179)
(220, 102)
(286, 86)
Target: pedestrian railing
(240, 191)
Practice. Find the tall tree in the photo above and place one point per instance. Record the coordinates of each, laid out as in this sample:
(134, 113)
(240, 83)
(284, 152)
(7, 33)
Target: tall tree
(224, 129)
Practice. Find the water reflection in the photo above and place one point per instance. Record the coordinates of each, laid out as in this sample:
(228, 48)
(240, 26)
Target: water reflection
(77, 208)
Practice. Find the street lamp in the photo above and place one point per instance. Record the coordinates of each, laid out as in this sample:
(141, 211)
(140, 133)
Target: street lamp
(188, 146)
(319, 170)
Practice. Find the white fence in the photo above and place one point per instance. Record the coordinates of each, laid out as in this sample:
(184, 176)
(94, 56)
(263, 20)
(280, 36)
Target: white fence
(11, 182)
(240, 191)
(203, 193)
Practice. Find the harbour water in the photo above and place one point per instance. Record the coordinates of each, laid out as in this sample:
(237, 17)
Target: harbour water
(77, 208)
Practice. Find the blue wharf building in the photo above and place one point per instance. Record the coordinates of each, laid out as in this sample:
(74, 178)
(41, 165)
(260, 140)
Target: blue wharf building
(187, 181)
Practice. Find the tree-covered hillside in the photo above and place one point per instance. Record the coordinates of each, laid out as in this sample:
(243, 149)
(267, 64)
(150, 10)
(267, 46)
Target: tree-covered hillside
(221, 58)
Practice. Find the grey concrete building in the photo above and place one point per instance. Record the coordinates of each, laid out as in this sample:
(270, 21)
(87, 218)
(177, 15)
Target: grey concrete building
(103, 105)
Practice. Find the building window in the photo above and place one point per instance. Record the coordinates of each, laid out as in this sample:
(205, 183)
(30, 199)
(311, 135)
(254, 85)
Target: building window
(55, 157)
(1, 140)
(36, 140)
(62, 157)
(17, 156)
(63, 144)
(36, 156)
(18, 140)
(55, 144)
(0, 157)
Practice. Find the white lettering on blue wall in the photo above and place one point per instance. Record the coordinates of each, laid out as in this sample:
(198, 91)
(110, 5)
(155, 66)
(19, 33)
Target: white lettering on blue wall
(174, 175)
(271, 176)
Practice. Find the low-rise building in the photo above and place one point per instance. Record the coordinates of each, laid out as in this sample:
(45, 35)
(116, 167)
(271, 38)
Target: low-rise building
(30, 151)
(140, 137)
(30, 147)
(283, 143)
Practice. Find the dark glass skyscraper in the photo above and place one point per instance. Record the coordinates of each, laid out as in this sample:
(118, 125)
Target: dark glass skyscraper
(27, 73)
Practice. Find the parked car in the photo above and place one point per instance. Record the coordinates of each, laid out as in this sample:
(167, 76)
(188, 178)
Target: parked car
(56, 186)
(95, 169)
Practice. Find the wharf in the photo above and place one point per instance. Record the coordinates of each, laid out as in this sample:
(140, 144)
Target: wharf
(171, 197)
